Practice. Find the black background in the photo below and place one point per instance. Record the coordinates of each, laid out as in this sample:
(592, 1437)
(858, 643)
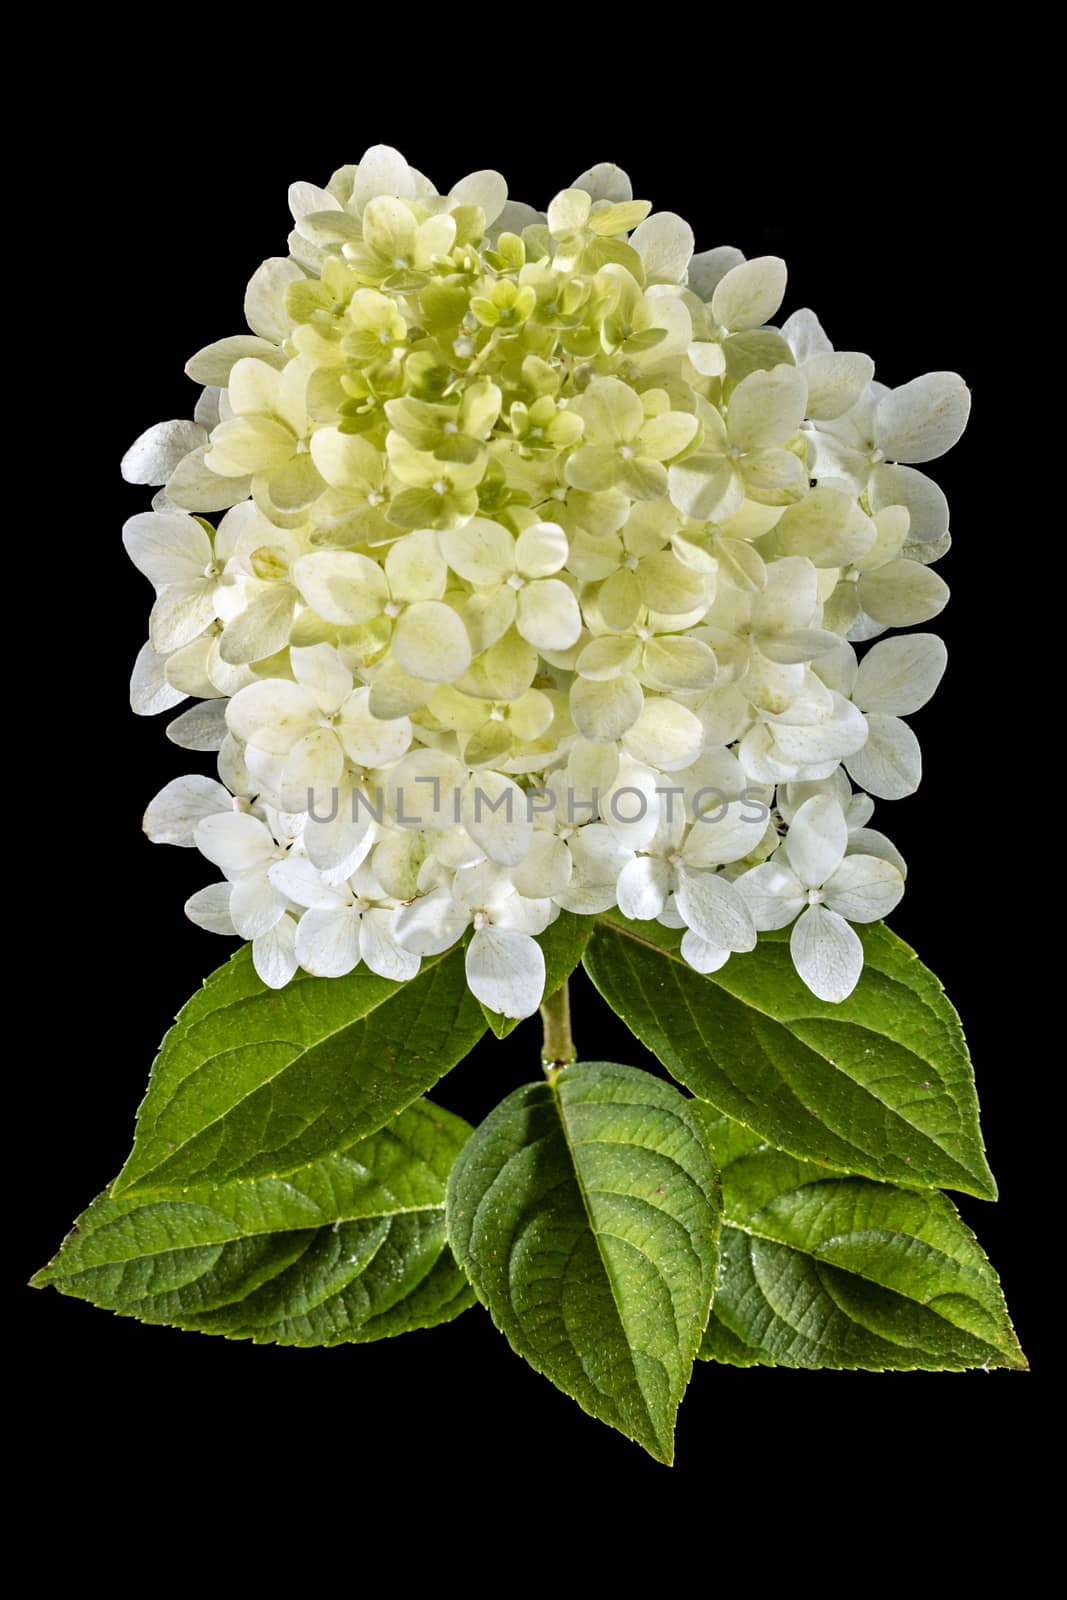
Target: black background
(170, 198)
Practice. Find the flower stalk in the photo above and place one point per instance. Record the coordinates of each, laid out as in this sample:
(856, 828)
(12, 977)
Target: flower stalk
(558, 1049)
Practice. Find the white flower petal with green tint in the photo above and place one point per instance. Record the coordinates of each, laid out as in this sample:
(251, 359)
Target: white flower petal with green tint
(380, 950)
(547, 868)
(749, 294)
(173, 816)
(889, 766)
(255, 905)
(381, 170)
(345, 460)
(923, 499)
(714, 910)
(265, 310)
(818, 835)
(486, 189)
(202, 727)
(168, 547)
(767, 408)
(341, 585)
(924, 418)
(155, 455)
(548, 614)
(789, 597)
(827, 954)
(195, 487)
(248, 445)
(664, 241)
(835, 382)
(718, 838)
(150, 692)
(213, 364)
(181, 613)
(613, 413)
(327, 942)
(805, 335)
(604, 711)
(300, 881)
(320, 671)
(605, 181)
(210, 909)
(708, 268)
(506, 971)
(902, 593)
(568, 211)
(272, 714)
(665, 436)
(274, 954)
(338, 846)
(370, 741)
(261, 629)
(665, 735)
(495, 815)
(540, 550)
(312, 772)
(643, 887)
(706, 487)
(415, 568)
(773, 893)
(430, 924)
(236, 842)
(826, 526)
(430, 642)
(898, 676)
(676, 663)
(701, 955)
(482, 552)
(864, 888)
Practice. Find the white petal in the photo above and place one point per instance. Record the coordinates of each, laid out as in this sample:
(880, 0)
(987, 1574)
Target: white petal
(202, 727)
(604, 711)
(664, 241)
(235, 841)
(372, 741)
(262, 629)
(869, 842)
(379, 949)
(899, 675)
(773, 894)
(643, 886)
(168, 547)
(338, 846)
(382, 170)
(342, 586)
(495, 815)
(173, 815)
(155, 454)
(605, 181)
(255, 905)
(322, 675)
(327, 942)
(312, 772)
(540, 550)
(924, 500)
(902, 593)
(506, 971)
(827, 953)
(300, 881)
(708, 268)
(701, 955)
(805, 336)
(548, 614)
(719, 837)
(415, 568)
(766, 408)
(265, 310)
(890, 764)
(150, 693)
(213, 364)
(431, 924)
(750, 293)
(864, 888)
(274, 954)
(924, 418)
(818, 836)
(481, 551)
(194, 487)
(485, 188)
(714, 910)
(836, 381)
(431, 643)
(666, 735)
(547, 868)
(181, 613)
(210, 908)
(272, 713)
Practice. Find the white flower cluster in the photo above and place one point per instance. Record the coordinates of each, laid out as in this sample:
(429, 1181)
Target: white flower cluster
(518, 562)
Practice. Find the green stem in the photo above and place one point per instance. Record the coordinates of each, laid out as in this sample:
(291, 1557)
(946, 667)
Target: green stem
(558, 1049)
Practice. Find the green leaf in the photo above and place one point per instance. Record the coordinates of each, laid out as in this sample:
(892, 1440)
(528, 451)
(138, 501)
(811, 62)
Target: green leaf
(350, 1248)
(880, 1085)
(563, 944)
(254, 1082)
(584, 1210)
(823, 1271)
